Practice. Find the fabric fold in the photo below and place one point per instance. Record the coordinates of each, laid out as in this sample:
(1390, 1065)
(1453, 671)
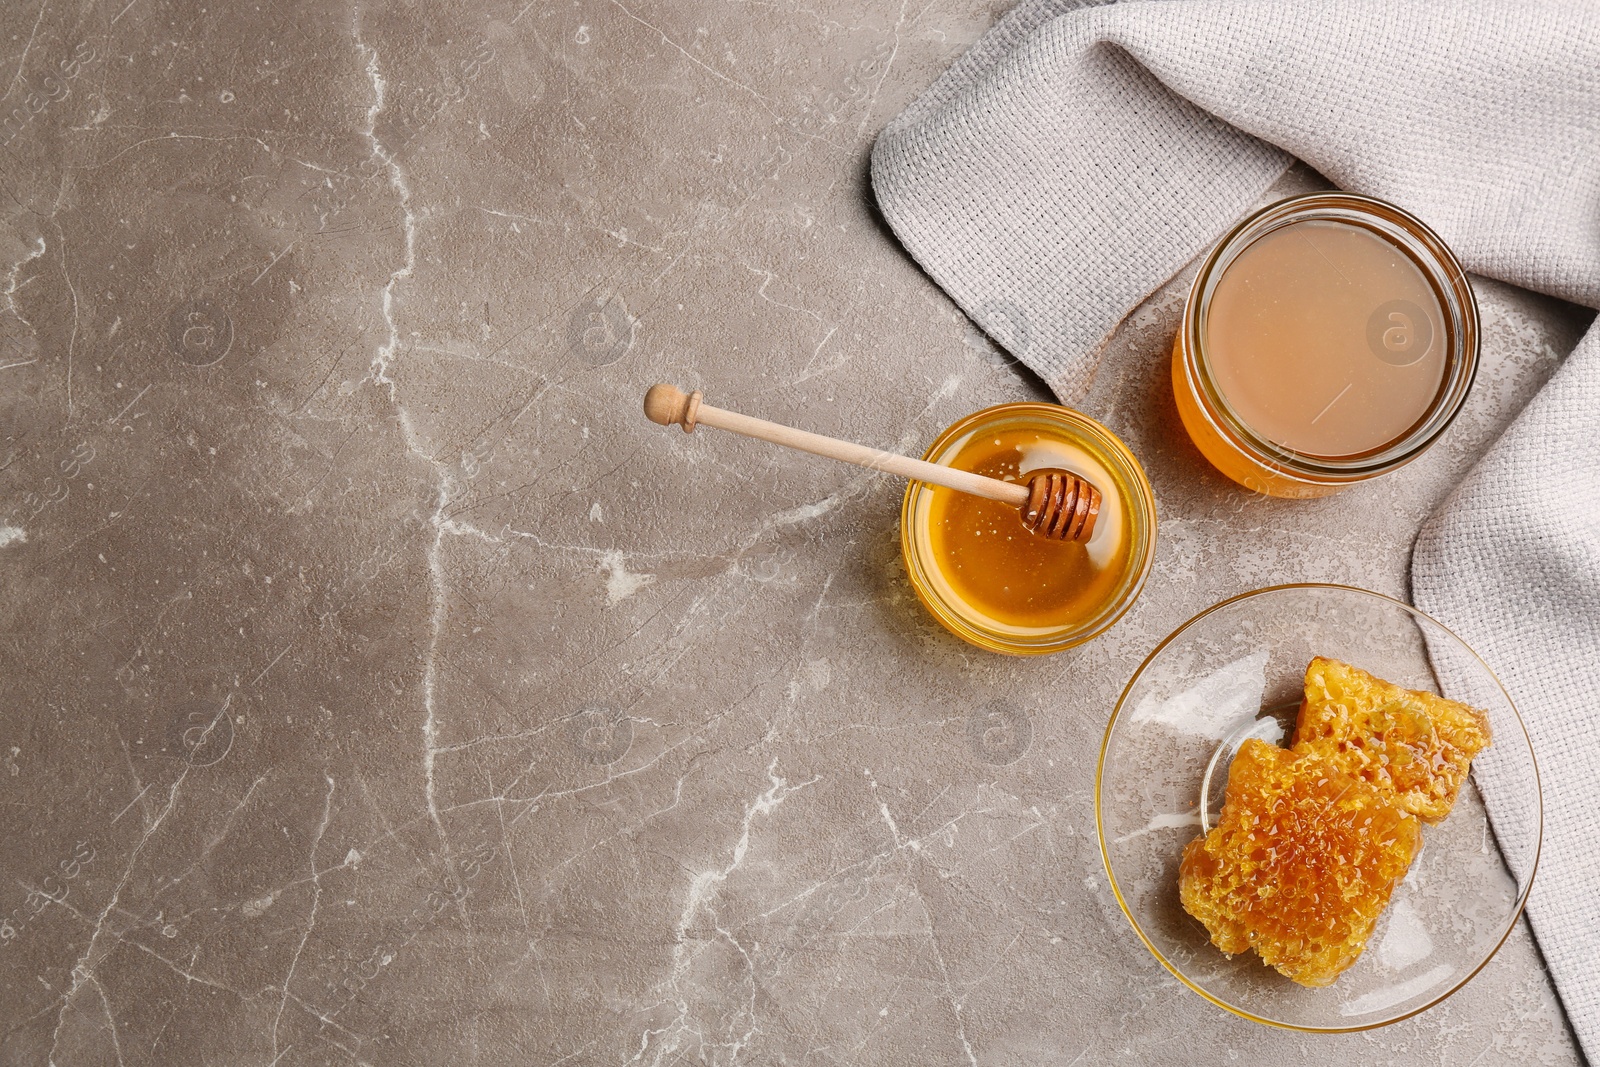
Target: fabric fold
(1511, 563)
(1078, 157)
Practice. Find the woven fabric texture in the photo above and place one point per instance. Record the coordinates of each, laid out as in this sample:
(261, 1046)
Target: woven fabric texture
(1076, 159)
(1511, 563)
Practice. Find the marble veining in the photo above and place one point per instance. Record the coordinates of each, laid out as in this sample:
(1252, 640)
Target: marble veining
(381, 688)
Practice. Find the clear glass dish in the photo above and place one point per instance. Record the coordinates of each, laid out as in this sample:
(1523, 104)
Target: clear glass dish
(1236, 670)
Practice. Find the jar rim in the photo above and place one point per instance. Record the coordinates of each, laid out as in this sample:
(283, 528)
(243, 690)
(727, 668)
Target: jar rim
(1437, 263)
(1135, 486)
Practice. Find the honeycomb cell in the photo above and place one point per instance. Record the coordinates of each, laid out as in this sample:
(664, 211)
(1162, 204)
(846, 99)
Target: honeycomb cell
(1301, 863)
(1417, 745)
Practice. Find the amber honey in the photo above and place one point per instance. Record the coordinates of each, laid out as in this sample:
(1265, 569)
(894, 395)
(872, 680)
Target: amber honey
(1312, 840)
(1328, 339)
(993, 582)
(1000, 567)
(1413, 744)
(1301, 864)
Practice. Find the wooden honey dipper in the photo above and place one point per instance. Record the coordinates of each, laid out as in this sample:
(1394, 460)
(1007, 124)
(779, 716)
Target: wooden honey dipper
(1057, 504)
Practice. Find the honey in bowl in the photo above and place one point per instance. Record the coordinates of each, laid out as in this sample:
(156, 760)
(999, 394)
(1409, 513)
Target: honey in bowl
(1004, 570)
(989, 579)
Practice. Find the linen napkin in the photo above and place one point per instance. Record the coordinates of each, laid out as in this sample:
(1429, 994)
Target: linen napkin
(1511, 563)
(1077, 157)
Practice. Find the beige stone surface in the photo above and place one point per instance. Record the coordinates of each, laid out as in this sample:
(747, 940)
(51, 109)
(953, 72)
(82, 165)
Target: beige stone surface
(379, 687)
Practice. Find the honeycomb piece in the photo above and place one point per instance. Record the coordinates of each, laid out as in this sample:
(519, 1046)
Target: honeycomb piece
(1300, 864)
(1418, 745)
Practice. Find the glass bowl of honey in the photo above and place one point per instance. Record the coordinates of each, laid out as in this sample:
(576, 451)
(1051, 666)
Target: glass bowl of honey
(1327, 339)
(990, 580)
(1232, 687)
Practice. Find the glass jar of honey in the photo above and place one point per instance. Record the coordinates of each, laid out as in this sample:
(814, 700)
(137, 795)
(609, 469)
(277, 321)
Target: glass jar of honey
(1328, 339)
(990, 580)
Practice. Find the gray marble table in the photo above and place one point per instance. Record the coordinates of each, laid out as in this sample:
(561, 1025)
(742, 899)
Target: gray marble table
(379, 687)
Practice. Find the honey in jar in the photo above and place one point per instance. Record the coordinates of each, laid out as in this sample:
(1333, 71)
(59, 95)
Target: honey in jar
(1328, 339)
(991, 580)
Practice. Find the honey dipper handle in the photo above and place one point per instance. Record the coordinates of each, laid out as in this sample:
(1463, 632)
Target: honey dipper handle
(670, 406)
